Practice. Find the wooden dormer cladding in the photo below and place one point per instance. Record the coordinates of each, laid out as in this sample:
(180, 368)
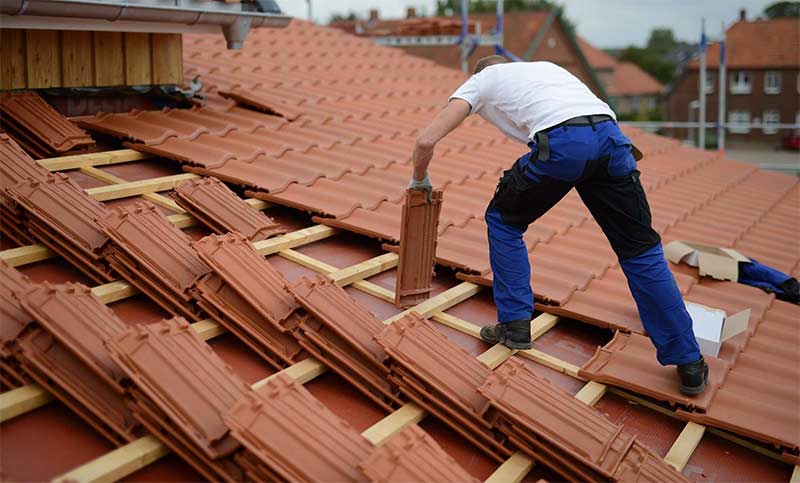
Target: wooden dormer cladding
(37, 59)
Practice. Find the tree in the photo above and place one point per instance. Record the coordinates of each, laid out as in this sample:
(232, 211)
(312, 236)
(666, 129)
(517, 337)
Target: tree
(783, 9)
(490, 6)
(654, 58)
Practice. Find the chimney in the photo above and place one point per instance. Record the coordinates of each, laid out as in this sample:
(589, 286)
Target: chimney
(373, 14)
(411, 12)
(743, 15)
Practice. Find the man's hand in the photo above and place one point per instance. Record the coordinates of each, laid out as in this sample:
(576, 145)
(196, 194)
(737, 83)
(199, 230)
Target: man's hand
(422, 185)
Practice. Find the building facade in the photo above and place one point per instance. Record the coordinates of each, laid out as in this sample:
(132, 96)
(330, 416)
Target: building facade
(763, 81)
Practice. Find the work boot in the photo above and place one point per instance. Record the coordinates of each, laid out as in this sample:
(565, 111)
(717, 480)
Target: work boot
(514, 335)
(694, 377)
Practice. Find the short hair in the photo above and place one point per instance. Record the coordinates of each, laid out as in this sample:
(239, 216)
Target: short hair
(490, 60)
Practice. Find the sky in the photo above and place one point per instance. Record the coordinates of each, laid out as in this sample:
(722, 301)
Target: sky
(605, 23)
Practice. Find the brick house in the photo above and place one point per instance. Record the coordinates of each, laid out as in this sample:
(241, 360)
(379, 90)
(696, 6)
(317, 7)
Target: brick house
(763, 79)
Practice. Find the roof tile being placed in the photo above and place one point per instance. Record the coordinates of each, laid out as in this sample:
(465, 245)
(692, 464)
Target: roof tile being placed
(553, 427)
(295, 436)
(62, 216)
(153, 255)
(441, 377)
(80, 324)
(268, 102)
(28, 117)
(412, 455)
(629, 361)
(220, 209)
(419, 226)
(173, 370)
(341, 332)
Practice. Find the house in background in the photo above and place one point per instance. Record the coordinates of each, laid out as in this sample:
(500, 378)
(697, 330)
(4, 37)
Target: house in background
(763, 80)
(632, 92)
(534, 35)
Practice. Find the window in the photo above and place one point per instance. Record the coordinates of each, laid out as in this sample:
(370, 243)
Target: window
(772, 82)
(741, 82)
(651, 103)
(771, 116)
(735, 117)
(635, 103)
(709, 82)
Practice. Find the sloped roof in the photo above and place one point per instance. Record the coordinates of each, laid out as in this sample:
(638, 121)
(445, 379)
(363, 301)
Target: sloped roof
(352, 111)
(597, 58)
(630, 80)
(758, 44)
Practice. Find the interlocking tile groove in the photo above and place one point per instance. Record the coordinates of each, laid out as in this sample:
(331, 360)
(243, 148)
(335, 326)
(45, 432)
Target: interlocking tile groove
(81, 323)
(295, 435)
(629, 361)
(419, 226)
(553, 427)
(412, 455)
(26, 114)
(441, 377)
(219, 208)
(63, 217)
(341, 332)
(171, 366)
(14, 320)
(154, 255)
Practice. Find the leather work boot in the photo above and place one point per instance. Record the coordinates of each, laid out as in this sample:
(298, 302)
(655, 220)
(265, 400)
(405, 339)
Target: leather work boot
(694, 377)
(514, 335)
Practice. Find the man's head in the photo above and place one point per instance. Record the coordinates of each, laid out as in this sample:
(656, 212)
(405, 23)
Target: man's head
(487, 61)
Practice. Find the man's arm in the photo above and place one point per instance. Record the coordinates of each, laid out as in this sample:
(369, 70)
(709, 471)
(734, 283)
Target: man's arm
(448, 119)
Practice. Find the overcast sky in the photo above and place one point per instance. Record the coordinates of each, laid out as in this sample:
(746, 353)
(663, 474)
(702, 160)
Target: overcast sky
(605, 23)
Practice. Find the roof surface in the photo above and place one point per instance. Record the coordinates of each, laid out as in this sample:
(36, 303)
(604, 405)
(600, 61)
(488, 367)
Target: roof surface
(758, 44)
(630, 80)
(341, 152)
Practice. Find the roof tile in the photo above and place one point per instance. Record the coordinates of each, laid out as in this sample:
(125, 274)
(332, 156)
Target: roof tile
(319, 447)
(220, 209)
(412, 455)
(419, 226)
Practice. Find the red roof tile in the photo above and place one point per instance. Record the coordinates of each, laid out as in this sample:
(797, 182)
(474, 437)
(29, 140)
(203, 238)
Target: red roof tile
(412, 455)
(418, 229)
(31, 120)
(758, 44)
(630, 80)
(217, 207)
(295, 436)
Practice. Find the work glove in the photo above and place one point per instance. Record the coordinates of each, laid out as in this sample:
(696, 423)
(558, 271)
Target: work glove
(422, 185)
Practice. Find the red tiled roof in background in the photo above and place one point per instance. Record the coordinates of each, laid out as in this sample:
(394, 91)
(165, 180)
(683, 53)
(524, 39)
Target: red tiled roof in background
(596, 57)
(630, 80)
(758, 44)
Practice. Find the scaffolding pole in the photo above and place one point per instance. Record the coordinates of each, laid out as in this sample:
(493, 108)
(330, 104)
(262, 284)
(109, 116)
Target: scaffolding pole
(701, 134)
(721, 117)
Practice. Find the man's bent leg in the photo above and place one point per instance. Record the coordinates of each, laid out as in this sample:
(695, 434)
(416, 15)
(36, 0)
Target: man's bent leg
(511, 270)
(661, 307)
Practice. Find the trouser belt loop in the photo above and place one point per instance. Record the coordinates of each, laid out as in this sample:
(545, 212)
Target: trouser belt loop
(591, 122)
(543, 143)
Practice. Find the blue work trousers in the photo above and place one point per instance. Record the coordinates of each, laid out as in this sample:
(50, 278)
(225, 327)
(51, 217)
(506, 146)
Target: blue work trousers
(596, 160)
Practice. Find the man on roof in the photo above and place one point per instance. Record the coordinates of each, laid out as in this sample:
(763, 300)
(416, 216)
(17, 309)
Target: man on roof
(574, 142)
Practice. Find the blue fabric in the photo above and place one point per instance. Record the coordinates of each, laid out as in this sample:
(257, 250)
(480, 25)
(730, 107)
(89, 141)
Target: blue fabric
(759, 275)
(508, 256)
(661, 307)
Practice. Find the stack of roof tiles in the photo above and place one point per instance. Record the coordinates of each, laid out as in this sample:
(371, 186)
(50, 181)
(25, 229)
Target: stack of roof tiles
(37, 127)
(248, 296)
(65, 353)
(340, 332)
(15, 166)
(14, 321)
(153, 255)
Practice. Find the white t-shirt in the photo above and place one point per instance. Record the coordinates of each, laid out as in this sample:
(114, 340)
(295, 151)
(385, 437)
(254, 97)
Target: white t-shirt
(522, 98)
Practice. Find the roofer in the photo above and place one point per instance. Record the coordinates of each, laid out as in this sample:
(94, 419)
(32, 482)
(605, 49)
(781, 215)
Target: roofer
(574, 141)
